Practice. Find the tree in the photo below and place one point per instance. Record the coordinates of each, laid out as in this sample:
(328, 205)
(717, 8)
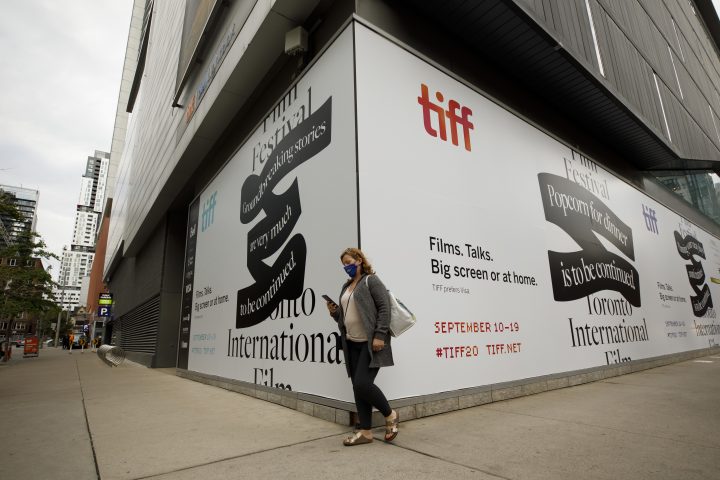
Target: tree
(25, 286)
(49, 318)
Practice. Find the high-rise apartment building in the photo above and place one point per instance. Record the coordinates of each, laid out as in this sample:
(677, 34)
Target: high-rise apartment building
(77, 261)
(25, 200)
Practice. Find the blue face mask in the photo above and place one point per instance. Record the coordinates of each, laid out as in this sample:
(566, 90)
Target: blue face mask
(351, 269)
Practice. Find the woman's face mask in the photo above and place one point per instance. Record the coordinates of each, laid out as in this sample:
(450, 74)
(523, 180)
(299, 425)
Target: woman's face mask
(351, 270)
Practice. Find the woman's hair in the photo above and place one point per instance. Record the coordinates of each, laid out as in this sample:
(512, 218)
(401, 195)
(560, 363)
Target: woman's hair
(357, 254)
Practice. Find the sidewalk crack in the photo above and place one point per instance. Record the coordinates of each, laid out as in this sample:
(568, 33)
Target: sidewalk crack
(445, 460)
(235, 457)
(87, 422)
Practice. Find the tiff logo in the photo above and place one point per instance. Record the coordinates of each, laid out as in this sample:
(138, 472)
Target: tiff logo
(451, 114)
(208, 214)
(650, 219)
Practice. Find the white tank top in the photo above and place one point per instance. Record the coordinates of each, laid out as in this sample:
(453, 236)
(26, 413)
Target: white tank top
(353, 322)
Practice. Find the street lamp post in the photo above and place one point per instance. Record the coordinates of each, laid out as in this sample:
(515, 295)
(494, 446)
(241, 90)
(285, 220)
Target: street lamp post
(62, 300)
(8, 331)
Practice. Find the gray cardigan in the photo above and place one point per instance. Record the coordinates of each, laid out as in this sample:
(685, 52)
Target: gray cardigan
(373, 304)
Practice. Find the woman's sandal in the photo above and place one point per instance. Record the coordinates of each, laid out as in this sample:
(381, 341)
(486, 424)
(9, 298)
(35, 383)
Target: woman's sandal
(391, 428)
(356, 439)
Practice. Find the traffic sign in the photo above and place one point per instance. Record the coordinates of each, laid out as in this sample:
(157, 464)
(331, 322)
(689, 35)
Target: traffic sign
(103, 311)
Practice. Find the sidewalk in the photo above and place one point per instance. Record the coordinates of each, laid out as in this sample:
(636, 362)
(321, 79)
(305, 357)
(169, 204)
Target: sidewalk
(73, 417)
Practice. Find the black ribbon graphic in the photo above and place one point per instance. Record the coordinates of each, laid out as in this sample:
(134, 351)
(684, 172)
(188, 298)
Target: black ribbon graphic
(582, 215)
(284, 279)
(689, 247)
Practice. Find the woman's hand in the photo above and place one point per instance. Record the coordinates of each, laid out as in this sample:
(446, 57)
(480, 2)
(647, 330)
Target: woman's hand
(377, 345)
(332, 308)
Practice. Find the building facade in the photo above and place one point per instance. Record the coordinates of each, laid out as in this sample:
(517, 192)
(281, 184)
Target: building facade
(77, 261)
(25, 200)
(516, 169)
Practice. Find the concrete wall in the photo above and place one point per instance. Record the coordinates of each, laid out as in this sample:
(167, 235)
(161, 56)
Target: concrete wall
(139, 278)
(171, 290)
(97, 285)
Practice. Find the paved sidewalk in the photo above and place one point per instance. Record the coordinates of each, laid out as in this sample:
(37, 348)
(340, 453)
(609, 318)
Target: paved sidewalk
(73, 417)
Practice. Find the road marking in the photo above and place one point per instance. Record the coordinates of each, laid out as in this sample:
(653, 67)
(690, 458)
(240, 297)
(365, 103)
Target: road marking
(704, 361)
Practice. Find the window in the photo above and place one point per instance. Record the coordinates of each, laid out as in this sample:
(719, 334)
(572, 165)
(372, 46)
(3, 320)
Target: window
(594, 37)
(677, 37)
(712, 114)
(662, 107)
(699, 188)
(677, 79)
(12, 262)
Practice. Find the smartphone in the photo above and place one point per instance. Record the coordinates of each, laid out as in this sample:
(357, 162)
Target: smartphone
(328, 299)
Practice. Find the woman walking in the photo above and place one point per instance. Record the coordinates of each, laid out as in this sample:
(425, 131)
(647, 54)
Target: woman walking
(363, 318)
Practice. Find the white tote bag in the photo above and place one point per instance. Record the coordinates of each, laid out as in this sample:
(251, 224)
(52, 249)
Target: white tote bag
(401, 318)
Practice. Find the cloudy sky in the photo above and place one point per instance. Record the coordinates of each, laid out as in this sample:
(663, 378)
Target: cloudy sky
(62, 62)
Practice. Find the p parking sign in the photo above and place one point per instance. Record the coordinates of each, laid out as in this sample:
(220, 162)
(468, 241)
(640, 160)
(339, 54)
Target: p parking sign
(103, 311)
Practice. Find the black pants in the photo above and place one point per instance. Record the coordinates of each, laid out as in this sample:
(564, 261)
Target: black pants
(367, 394)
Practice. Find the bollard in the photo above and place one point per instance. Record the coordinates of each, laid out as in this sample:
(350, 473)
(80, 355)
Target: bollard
(113, 356)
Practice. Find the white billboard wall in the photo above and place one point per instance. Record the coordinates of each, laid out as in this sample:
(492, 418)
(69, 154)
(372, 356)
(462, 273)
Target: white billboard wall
(519, 256)
(265, 237)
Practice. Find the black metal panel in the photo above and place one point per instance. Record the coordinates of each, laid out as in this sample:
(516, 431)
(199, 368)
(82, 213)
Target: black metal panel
(137, 330)
(504, 33)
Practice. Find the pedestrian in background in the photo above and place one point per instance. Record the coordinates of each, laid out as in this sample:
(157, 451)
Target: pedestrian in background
(363, 318)
(71, 340)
